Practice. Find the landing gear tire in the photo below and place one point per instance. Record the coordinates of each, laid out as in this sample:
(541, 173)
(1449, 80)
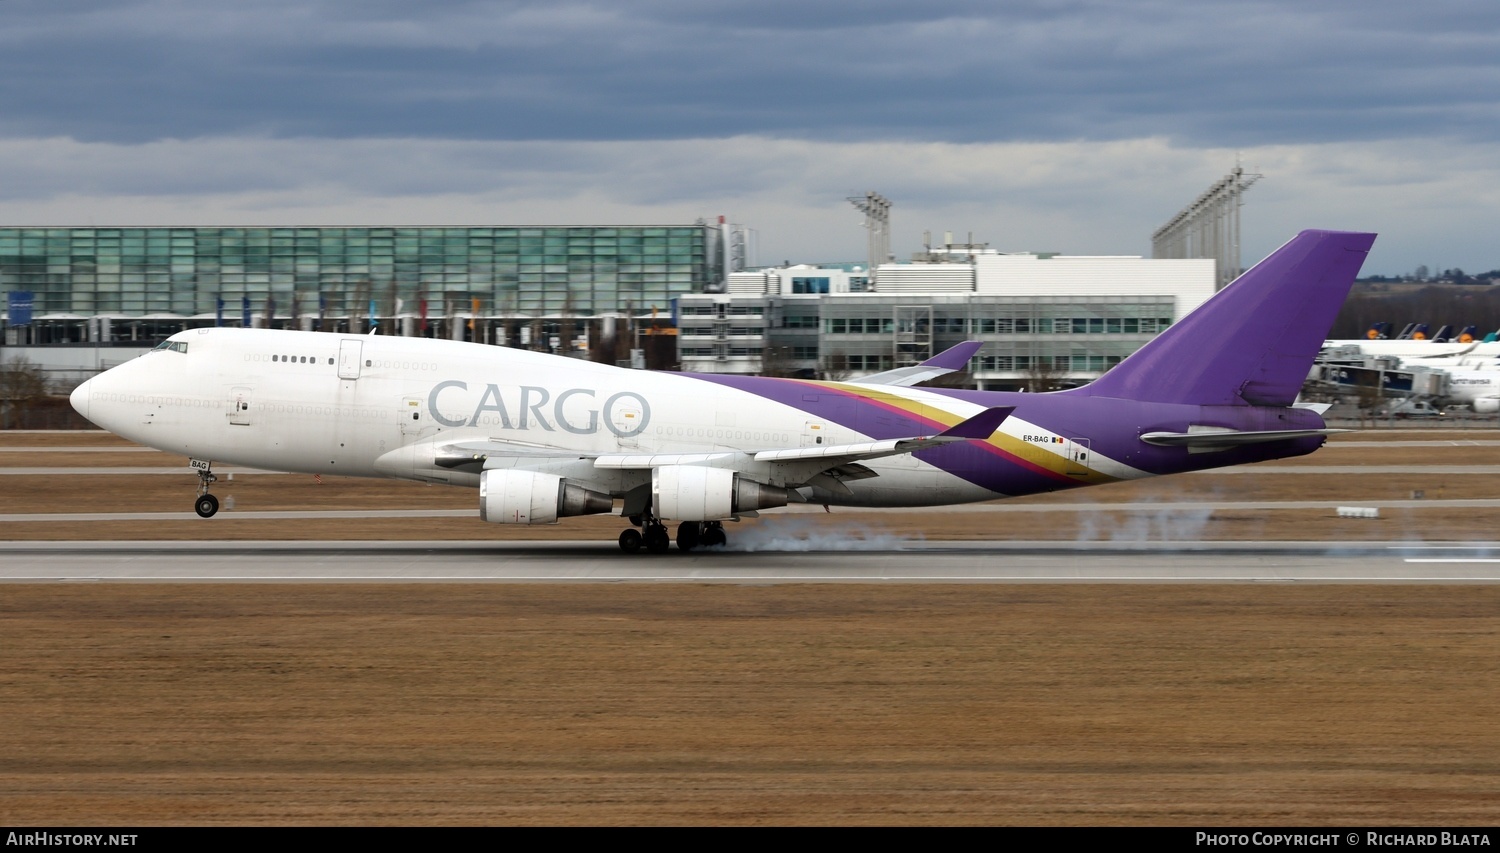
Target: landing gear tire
(631, 541)
(657, 540)
(206, 506)
(713, 535)
(688, 536)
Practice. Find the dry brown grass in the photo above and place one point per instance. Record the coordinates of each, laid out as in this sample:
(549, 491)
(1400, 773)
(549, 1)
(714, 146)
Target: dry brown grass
(543, 704)
(61, 438)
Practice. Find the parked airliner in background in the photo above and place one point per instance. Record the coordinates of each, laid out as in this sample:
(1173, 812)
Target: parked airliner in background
(1405, 348)
(543, 437)
(1473, 380)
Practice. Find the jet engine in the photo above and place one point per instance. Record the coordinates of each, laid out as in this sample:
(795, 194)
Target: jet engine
(527, 497)
(1487, 405)
(695, 493)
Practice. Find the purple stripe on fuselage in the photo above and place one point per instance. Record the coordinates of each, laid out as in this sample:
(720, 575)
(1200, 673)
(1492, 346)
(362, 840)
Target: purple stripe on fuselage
(1111, 427)
(872, 417)
(983, 464)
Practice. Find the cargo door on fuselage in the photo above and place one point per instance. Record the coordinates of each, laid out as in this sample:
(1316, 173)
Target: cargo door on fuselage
(813, 433)
(239, 406)
(1078, 457)
(349, 356)
(413, 417)
(627, 420)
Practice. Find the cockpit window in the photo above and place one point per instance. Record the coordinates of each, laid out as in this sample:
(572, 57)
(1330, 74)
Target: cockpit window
(174, 346)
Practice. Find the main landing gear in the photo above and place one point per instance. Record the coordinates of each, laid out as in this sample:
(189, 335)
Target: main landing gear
(207, 504)
(710, 535)
(654, 538)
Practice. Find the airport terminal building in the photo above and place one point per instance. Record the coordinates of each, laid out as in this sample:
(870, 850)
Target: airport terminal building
(83, 299)
(134, 285)
(1045, 320)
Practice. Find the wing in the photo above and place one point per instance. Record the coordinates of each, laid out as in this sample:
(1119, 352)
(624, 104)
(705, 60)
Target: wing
(792, 466)
(1458, 354)
(945, 362)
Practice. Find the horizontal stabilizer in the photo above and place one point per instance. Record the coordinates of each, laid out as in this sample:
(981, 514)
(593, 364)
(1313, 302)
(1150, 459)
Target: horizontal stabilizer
(1204, 439)
(945, 362)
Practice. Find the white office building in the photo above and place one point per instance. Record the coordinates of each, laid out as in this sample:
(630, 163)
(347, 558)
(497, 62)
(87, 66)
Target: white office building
(1045, 319)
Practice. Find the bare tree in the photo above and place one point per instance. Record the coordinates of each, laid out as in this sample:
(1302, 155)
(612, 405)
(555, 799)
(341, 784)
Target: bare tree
(1043, 375)
(1369, 395)
(777, 362)
(836, 367)
(22, 383)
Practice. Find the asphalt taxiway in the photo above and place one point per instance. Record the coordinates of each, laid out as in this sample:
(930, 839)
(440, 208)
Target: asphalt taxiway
(792, 561)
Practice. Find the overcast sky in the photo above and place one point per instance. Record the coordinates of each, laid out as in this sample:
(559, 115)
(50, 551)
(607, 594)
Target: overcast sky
(1048, 125)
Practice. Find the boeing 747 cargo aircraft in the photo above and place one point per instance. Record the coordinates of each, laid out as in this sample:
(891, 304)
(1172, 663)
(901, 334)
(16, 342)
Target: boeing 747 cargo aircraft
(544, 437)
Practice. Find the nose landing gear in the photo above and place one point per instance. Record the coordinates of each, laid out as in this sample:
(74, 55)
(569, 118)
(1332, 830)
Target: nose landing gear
(206, 504)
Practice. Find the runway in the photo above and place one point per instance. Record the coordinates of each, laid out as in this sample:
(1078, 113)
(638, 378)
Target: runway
(1163, 508)
(797, 562)
(1435, 471)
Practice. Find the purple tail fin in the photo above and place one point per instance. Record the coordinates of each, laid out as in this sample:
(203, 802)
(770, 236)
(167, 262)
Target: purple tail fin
(1254, 341)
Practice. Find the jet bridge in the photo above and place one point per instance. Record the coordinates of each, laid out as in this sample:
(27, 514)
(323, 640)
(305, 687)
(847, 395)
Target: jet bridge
(1346, 371)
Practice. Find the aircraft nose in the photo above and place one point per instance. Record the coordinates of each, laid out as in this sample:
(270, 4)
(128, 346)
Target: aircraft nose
(80, 398)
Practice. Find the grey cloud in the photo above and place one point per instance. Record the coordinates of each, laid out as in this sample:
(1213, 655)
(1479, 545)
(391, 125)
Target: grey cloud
(1428, 198)
(1206, 73)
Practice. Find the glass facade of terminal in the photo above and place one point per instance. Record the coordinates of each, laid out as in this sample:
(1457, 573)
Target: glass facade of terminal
(512, 271)
(1075, 337)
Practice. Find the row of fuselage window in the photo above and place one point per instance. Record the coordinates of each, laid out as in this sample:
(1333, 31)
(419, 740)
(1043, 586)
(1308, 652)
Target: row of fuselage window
(298, 359)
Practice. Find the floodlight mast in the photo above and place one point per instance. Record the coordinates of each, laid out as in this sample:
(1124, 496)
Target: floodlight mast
(1209, 227)
(877, 211)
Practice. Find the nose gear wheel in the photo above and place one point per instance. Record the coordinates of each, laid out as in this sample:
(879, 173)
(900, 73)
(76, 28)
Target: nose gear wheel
(206, 504)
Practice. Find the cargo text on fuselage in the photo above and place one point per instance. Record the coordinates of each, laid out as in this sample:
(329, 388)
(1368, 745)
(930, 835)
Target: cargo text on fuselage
(575, 410)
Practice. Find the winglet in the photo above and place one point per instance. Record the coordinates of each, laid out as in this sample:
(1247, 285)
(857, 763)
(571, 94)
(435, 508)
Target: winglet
(955, 357)
(949, 360)
(981, 426)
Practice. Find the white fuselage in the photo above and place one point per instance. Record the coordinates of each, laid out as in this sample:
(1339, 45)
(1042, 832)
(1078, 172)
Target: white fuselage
(372, 406)
(1405, 349)
(1473, 378)
(1470, 386)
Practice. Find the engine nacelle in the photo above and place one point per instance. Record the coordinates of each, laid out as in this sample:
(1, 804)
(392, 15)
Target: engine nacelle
(1487, 405)
(696, 493)
(509, 496)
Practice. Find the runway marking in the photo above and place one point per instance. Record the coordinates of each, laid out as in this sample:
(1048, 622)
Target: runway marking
(574, 562)
(1421, 547)
(719, 578)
